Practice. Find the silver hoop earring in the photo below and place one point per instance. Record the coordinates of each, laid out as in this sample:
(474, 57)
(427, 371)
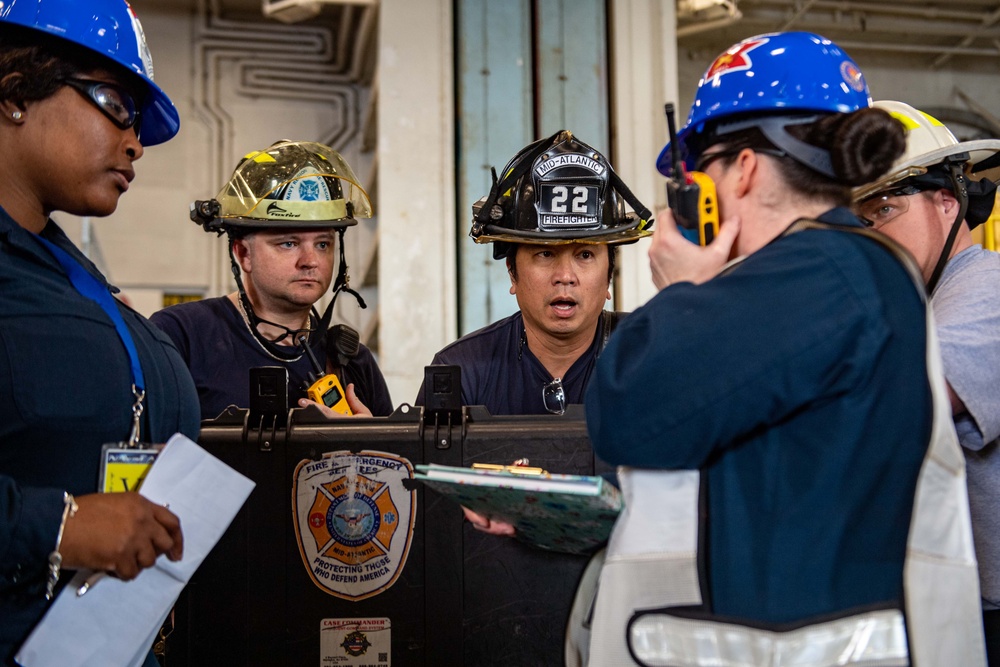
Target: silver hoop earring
(17, 115)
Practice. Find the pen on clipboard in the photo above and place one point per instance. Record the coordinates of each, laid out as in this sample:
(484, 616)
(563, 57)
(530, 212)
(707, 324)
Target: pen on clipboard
(517, 468)
(89, 583)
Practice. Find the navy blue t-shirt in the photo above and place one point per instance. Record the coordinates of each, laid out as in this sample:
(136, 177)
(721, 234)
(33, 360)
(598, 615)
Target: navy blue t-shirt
(501, 373)
(215, 342)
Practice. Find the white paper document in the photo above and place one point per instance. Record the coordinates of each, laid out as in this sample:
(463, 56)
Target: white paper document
(116, 622)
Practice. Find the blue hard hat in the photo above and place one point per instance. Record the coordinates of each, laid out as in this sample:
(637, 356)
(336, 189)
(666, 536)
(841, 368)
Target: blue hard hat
(111, 29)
(776, 74)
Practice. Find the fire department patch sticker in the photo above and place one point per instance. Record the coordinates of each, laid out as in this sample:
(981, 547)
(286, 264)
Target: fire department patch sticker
(353, 520)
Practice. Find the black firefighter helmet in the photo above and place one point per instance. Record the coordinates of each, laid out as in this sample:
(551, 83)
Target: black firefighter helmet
(555, 191)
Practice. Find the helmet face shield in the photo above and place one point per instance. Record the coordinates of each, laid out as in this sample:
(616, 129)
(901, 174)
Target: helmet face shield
(556, 191)
(293, 184)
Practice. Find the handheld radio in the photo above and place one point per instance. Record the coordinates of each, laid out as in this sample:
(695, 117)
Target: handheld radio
(690, 195)
(324, 387)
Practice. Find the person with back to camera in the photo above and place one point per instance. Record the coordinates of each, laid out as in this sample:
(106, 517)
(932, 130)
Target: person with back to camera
(931, 199)
(794, 490)
(556, 216)
(78, 368)
(282, 210)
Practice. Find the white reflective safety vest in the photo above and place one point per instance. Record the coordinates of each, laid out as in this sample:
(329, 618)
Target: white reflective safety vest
(651, 563)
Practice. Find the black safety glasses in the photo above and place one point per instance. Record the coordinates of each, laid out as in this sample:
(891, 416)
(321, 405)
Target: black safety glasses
(705, 159)
(114, 101)
(295, 334)
(554, 397)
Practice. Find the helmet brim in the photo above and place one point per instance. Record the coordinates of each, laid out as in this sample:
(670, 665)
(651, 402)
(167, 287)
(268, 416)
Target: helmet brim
(254, 223)
(493, 233)
(160, 121)
(978, 150)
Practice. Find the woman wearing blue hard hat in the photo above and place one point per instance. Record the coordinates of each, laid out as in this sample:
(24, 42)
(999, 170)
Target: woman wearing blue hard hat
(794, 491)
(78, 368)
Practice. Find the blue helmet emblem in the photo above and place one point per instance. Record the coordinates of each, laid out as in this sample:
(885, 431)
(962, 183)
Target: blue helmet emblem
(309, 191)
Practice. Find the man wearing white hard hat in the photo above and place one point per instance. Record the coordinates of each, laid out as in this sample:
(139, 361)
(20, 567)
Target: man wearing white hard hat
(935, 194)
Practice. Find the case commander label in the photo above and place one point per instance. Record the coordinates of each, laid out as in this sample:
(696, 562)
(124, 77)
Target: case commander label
(355, 642)
(353, 520)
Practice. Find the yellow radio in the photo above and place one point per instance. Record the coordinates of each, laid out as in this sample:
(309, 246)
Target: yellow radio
(324, 388)
(328, 391)
(691, 195)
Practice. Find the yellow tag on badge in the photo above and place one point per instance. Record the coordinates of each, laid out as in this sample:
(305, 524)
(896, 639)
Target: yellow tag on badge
(124, 469)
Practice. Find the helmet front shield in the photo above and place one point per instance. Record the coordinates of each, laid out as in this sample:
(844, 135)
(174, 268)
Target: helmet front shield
(294, 184)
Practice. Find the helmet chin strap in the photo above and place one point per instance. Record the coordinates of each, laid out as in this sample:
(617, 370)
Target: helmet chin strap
(341, 284)
(956, 170)
(279, 352)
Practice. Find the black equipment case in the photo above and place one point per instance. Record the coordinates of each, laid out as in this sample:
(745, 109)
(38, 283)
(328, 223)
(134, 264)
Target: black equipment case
(462, 597)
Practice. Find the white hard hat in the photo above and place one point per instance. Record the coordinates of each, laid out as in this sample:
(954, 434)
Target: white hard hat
(930, 143)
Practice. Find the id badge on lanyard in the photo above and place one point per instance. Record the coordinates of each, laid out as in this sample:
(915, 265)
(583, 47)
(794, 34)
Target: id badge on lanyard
(124, 465)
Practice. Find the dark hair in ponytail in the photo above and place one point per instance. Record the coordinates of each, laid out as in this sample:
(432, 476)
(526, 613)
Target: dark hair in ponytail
(862, 145)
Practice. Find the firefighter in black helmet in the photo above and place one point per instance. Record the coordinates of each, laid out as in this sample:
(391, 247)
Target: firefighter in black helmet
(555, 216)
(282, 210)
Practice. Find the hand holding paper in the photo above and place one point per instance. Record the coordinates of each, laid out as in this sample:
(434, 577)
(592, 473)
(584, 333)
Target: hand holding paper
(116, 621)
(122, 533)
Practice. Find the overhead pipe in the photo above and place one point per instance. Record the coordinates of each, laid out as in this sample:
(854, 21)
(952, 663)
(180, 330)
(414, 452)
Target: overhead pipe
(907, 9)
(968, 39)
(799, 13)
(918, 48)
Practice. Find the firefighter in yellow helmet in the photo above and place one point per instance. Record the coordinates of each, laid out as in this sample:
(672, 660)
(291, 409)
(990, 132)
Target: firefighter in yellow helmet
(283, 210)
